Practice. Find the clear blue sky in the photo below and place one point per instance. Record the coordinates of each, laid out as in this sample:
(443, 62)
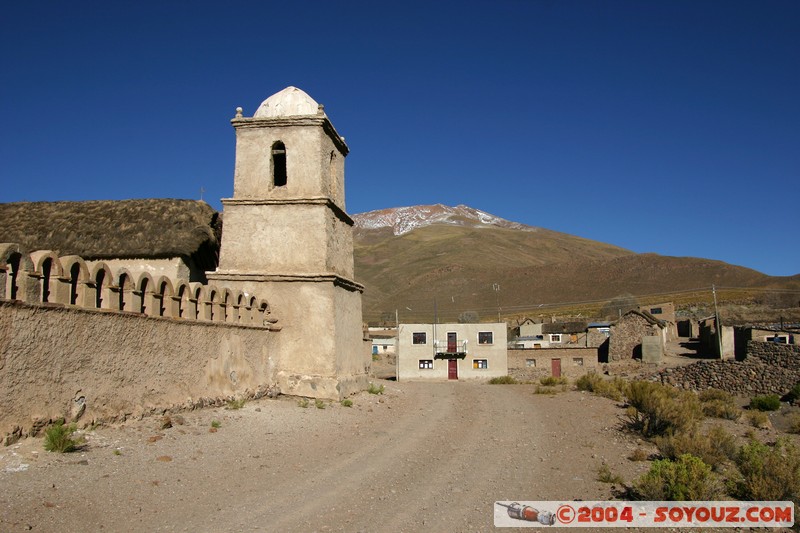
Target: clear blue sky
(660, 126)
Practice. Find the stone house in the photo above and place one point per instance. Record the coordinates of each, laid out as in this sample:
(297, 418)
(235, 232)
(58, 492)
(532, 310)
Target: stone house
(666, 313)
(451, 351)
(625, 340)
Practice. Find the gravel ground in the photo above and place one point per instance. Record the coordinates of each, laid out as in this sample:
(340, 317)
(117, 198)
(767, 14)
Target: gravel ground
(420, 457)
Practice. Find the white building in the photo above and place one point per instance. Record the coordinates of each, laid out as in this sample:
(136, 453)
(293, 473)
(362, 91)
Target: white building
(451, 351)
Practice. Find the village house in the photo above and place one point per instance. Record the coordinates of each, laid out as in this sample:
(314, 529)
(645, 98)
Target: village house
(625, 341)
(451, 351)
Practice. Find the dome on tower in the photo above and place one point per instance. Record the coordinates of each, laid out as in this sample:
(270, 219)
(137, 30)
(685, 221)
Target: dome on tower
(289, 102)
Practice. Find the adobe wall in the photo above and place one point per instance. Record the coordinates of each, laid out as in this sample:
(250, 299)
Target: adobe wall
(101, 366)
(769, 368)
(519, 366)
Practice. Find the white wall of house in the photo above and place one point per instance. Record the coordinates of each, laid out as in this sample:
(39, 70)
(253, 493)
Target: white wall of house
(484, 346)
(530, 329)
(383, 345)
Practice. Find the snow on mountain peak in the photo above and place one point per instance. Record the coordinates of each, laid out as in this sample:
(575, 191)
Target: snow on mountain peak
(405, 219)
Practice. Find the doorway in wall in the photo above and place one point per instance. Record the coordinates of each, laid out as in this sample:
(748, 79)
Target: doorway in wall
(452, 369)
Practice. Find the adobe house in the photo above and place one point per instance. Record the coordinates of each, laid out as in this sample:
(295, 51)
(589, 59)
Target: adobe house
(451, 351)
(625, 341)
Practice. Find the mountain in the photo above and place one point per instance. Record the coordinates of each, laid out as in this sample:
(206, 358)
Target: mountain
(445, 260)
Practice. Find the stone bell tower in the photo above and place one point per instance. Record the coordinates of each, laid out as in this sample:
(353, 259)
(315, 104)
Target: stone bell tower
(286, 235)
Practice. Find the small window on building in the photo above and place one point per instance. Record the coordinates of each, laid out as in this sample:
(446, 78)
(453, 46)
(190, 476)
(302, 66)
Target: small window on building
(655, 311)
(531, 363)
(480, 363)
(419, 338)
(384, 347)
(780, 339)
(485, 337)
(278, 164)
(555, 337)
(577, 361)
(426, 364)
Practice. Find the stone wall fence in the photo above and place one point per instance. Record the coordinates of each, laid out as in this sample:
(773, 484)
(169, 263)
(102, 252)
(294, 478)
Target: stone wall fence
(768, 368)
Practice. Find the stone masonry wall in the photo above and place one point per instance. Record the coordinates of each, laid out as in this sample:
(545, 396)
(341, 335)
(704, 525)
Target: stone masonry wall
(769, 368)
(102, 366)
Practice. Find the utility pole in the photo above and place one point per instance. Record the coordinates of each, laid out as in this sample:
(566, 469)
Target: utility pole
(496, 287)
(717, 322)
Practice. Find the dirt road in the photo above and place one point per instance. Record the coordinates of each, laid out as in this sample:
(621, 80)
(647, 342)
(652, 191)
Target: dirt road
(420, 457)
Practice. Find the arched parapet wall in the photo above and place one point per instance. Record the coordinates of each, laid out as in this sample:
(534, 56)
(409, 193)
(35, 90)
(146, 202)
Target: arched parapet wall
(15, 267)
(42, 276)
(81, 290)
(164, 297)
(143, 299)
(183, 296)
(102, 281)
(53, 287)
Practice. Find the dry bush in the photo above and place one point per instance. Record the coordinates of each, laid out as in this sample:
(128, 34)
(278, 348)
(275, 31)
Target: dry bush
(614, 389)
(684, 479)
(793, 421)
(758, 419)
(714, 448)
(657, 409)
(769, 473)
(719, 404)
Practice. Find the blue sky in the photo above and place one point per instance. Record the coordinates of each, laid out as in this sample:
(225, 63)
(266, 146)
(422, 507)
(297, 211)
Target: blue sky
(670, 127)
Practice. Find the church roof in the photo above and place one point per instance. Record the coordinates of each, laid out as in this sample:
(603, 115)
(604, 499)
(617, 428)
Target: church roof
(106, 229)
(289, 102)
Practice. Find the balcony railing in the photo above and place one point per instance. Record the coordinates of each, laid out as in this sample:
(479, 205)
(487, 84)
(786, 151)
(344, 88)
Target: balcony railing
(449, 349)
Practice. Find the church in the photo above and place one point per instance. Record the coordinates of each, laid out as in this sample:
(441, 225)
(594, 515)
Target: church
(259, 297)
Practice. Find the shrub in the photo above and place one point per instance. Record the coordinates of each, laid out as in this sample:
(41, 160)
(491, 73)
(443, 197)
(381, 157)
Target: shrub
(376, 357)
(58, 438)
(639, 454)
(605, 475)
(216, 424)
(769, 402)
(236, 404)
(503, 380)
(686, 478)
(657, 409)
(769, 472)
(713, 448)
(758, 419)
(319, 404)
(373, 389)
(614, 389)
(550, 381)
(302, 402)
(793, 421)
(719, 404)
(347, 402)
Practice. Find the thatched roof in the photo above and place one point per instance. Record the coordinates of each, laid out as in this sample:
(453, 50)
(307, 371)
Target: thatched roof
(106, 229)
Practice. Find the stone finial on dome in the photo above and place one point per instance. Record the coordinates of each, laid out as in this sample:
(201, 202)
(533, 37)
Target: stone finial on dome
(289, 102)
(239, 112)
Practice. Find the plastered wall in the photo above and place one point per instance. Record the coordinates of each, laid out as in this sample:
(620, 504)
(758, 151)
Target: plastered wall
(94, 365)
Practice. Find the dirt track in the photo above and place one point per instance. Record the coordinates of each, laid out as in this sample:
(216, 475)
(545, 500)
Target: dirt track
(421, 457)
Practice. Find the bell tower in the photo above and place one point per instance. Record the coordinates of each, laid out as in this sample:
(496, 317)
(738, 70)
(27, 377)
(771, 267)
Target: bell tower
(286, 235)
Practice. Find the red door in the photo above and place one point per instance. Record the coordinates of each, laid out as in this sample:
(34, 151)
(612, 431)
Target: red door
(451, 343)
(555, 366)
(452, 369)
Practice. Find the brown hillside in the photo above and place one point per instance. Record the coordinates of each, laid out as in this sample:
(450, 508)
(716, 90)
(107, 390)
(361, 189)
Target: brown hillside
(456, 268)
